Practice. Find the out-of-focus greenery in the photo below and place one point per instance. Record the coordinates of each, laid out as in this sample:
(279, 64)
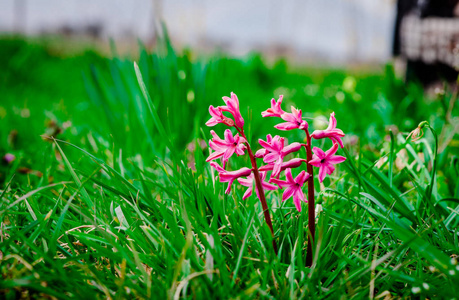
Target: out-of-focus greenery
(123, 205)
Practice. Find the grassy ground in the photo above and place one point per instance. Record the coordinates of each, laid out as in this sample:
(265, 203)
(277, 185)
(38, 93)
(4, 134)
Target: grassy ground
(123, 205)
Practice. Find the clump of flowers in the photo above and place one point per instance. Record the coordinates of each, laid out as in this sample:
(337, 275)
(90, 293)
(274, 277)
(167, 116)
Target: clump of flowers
(273, 153)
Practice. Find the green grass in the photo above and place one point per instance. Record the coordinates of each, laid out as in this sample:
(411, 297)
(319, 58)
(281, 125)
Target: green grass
(123, 205)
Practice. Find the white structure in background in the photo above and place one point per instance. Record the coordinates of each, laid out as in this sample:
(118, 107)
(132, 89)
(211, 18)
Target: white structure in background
(331, 30)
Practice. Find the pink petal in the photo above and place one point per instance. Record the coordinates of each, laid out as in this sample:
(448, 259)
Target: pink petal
(293, 163)
(279, 102)
(330, 169)
(228, 153)
(271, 158)
(332, 150)
(265, 168)
(300, 195)
(279, 182)
(240, 149)
(297, 203)
(296, 113)
(217, 140)
(261, 153)
(228, 189)
(297, 198)
(266, 145)
(269, 186)
(301, 178)
(293, 147)
(332, 122)
(304, 125)
(212, 122)
(322, 173)
(316, 162)
(246, 182)
(336, 159)
(288, 175)
(217, 167)
(214, 155)
(286, 126)
(318, 134)
(276, 169)
(337, 140)
(235, 99)
(217, 147)
(319, 152)
(229, 136)
(288, 192)
(288, 117)
(247, 193)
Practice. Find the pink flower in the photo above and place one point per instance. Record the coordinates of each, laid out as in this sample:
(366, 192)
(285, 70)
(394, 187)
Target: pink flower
(331, 132)
(230, 176)
(232, 106)
(325, 160)
(276, 152)
(291, 164)
(275, 110)
(218, 117)
(294, 120)
(225, 148)
(293, 187)
(250, 180)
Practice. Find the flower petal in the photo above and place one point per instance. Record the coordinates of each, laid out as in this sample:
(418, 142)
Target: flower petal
(229, 151)
(336, 159)
(288, 175)
(247, 193)
(288, 192)
(271, 158)
(332, 121)
(229, 136)
(214, 155)
(322, 173)
(332, 150)
(279, 182)
(286, 126)
(289, 117)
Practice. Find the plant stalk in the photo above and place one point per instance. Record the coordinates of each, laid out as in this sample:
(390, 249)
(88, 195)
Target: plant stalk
(311, 204)
(261, 191)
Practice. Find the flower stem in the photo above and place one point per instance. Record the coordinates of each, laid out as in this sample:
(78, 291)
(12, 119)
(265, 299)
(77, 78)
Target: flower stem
(311, 204)
(260, 189)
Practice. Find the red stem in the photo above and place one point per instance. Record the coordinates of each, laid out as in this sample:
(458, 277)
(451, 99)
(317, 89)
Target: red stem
(311, 204)
(260, 189)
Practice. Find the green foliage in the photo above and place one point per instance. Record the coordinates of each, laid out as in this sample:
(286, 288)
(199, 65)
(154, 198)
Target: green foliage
(122, 204)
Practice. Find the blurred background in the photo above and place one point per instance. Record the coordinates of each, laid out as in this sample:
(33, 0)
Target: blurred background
(332, 31)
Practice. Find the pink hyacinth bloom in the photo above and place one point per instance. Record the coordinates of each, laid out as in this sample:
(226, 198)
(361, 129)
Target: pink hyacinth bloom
(331, 132)
(232, 106)
(276, 152)
(293, 187)
(218, 117)
(249, 182)
(294, 120)
(225, 148)
(230, 176)
(325, 160)
(291, 164)
(275, 110)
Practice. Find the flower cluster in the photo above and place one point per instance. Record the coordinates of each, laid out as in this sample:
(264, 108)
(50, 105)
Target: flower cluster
(273, 152)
